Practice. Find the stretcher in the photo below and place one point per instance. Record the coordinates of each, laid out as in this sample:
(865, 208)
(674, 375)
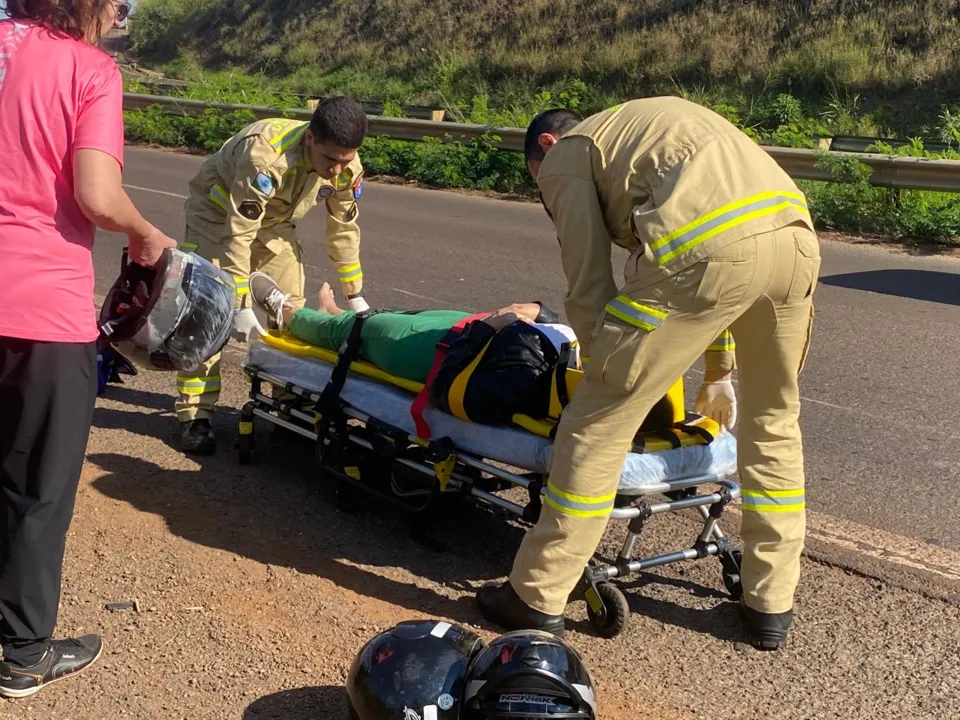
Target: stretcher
(359, 419)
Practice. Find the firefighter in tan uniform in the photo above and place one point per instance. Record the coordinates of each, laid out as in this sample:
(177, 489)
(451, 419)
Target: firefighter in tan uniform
(723, 250)
(242, 214)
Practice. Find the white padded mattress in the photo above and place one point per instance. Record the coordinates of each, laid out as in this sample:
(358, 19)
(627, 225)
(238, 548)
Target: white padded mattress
(508, 445)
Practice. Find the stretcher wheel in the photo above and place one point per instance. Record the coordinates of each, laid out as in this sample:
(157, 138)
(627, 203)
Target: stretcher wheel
(245, 449)
(617, 612)
(245, 440)
(732, 580)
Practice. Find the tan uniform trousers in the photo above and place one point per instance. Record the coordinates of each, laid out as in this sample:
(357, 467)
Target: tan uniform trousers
(762, 289)
(198, 393)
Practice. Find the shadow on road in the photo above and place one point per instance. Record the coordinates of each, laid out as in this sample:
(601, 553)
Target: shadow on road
(281, 511)
(928, 285)
(328, 702)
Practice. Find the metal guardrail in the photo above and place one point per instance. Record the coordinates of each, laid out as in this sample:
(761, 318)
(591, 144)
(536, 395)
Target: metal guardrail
(902, 173)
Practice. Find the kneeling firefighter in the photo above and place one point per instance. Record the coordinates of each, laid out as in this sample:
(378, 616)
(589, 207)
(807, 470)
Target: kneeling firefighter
(429, 670)
(173, 317)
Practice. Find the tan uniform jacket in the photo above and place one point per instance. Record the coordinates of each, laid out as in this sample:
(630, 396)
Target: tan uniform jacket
(670, 181)
(260, 184)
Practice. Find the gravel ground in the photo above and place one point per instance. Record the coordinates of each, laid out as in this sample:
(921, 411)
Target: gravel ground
(255, 593)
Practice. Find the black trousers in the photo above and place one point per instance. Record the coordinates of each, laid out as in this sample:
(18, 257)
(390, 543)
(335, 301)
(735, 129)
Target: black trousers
(47, 396)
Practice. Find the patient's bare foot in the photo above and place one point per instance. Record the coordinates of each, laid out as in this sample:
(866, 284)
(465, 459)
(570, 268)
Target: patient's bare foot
(326, 301)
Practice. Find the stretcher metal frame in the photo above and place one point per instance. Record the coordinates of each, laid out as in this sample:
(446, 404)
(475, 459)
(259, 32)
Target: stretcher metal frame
(350, 444)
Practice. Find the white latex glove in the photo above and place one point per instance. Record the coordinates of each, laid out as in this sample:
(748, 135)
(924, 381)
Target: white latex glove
(718, 401)
(358, 304)
(244, 324)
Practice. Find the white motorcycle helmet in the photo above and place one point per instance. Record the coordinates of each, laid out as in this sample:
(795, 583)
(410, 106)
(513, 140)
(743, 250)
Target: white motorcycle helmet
(171, 318)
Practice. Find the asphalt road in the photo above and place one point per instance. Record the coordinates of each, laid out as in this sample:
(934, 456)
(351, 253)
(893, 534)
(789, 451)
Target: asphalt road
(881, 388)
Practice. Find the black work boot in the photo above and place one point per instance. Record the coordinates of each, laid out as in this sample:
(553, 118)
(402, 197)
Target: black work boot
(768, 631)
(63, 659)
(501, 604)
(197, 437)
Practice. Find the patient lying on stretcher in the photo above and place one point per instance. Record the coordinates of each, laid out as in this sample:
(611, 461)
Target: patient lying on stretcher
(515, 361)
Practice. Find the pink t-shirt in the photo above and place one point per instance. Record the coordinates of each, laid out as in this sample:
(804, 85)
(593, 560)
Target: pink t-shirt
(57, 95)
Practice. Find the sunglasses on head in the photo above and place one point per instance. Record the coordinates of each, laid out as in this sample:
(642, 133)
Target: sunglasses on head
(123, 9)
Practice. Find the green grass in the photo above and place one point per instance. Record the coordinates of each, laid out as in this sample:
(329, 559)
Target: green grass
(784, 72)
(896, 61)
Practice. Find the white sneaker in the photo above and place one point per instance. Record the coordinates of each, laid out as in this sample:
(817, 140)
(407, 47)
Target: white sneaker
(268, 296)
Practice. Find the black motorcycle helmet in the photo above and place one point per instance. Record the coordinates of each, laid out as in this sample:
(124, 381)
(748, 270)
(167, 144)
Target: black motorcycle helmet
(528, 675)
(415, 671)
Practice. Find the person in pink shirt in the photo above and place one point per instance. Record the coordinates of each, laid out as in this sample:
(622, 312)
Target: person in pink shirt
(61, 154)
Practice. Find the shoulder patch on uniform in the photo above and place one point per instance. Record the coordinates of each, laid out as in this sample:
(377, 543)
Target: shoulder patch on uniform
(325, 192)
(358, 188)
(264, 183)
(351, 213)
(251, 210)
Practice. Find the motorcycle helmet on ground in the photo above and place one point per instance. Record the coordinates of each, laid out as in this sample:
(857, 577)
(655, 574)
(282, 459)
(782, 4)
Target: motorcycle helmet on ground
(528, 675)
(173, 317)
(415, 671)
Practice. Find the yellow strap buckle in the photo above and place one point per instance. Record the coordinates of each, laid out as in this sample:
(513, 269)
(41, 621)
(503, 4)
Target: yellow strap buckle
(444, 471)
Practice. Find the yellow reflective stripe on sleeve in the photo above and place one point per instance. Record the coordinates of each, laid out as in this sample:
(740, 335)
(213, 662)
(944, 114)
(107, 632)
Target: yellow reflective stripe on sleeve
(773, 501)
(198, 385)
(350, 273)
(458, 389)
(243, 285)
(641, 316)
(282, 142)
(578, 505)
(220, 197)
(722, 219)
(724, 343)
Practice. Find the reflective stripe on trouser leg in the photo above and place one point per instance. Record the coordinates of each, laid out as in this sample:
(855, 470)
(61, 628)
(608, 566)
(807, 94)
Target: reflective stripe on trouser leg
(630, 370)
(771, 339)
(198, 392)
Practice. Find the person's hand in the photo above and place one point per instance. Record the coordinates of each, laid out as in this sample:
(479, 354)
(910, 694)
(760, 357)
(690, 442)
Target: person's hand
(146, 251)
(245, 323)
(503, 317)
(718, 400)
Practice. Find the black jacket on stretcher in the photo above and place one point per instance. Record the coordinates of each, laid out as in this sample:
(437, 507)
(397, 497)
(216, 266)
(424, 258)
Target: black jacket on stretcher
(489, 377)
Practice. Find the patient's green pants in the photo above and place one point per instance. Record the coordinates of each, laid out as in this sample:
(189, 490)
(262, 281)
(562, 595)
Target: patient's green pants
(400, 344)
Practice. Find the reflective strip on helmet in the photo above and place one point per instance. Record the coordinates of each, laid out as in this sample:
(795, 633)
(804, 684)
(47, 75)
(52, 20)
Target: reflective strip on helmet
(722, 219)
(579, 505)
(724, 343)
(198, 385)
(220, 197)
(350, 273)
(773, 501)
(641, 316)
(282, 142)
(243, 285)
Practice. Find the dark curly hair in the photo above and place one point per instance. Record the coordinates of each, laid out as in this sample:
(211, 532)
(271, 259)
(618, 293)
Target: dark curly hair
(73, 18)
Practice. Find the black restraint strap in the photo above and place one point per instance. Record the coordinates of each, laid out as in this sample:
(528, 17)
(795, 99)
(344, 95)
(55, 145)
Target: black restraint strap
(347, 355)
(692, 429)
(563, 395)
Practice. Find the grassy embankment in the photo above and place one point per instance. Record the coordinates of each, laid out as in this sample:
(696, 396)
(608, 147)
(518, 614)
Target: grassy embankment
(785, 72)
